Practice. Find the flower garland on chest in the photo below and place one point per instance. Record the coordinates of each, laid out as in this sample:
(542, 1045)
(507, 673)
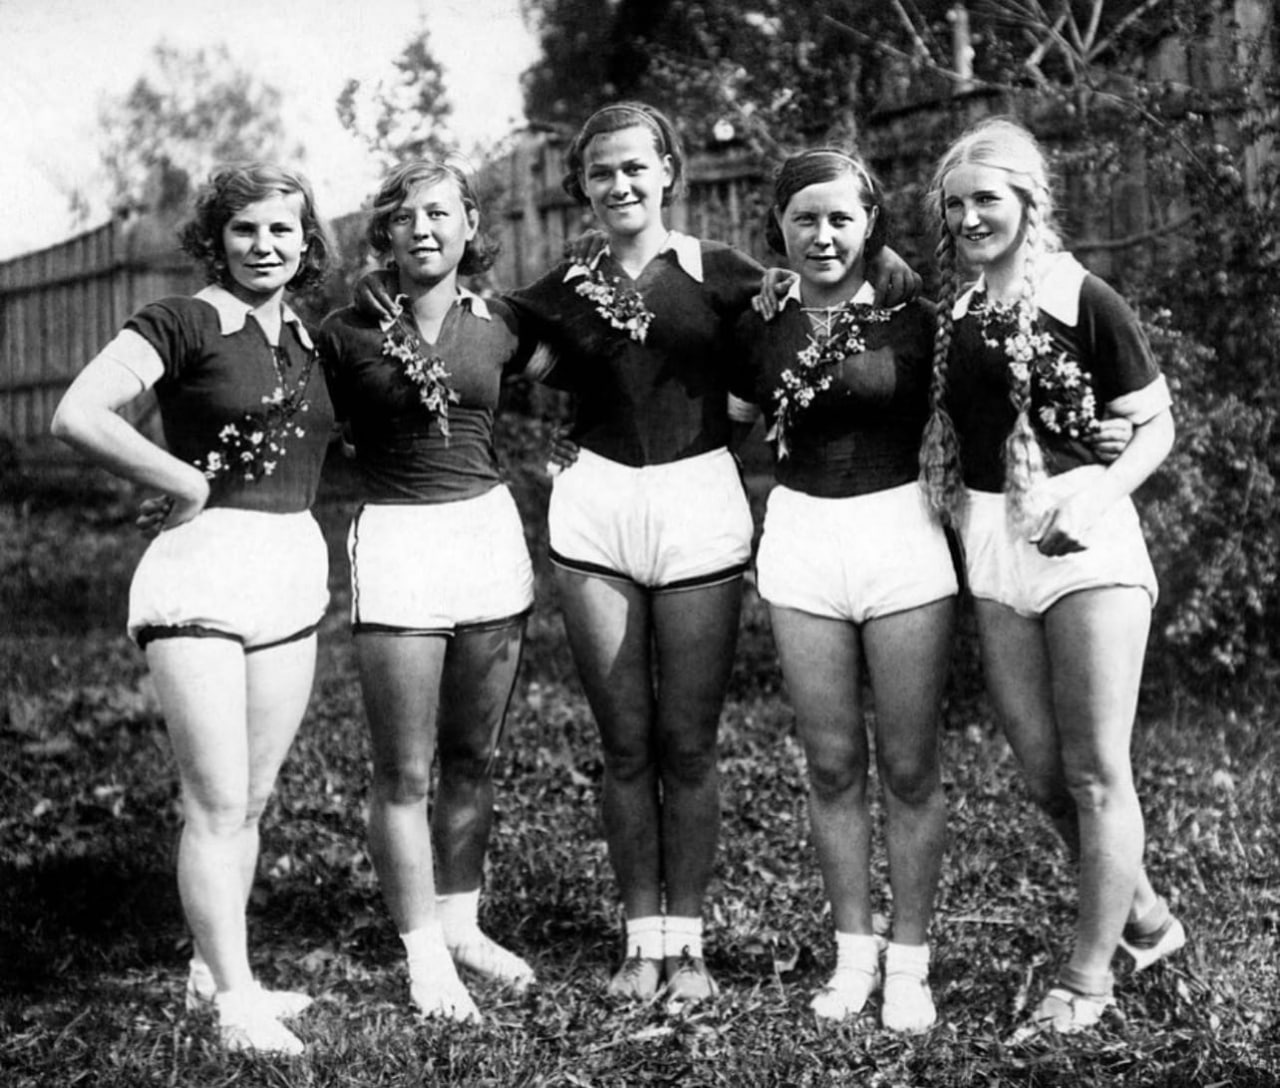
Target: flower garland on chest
(403, 343)
(843, 334)
(615, 300)
(252, 448)
(1070, 407)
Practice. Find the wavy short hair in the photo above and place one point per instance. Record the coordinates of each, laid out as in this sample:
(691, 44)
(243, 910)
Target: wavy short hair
(231, 189)
(481, 250)
(615, 118)
(814, 167)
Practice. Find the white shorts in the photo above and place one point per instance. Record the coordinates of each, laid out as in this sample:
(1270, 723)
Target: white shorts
(1008, 569)
(257, 578)
(679, 525)
(853, 559)
(432, 568)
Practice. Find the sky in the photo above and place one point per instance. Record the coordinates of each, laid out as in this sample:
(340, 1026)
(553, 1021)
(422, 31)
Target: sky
(59, 58)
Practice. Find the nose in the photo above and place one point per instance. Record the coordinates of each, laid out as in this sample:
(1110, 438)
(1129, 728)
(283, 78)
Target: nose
(421, 224)
(970, 216)
(822, 234)
(261, 241)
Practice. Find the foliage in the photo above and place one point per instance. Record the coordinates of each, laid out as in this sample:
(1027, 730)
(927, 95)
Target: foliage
(406, 115)
(196, 108)
(94, 948)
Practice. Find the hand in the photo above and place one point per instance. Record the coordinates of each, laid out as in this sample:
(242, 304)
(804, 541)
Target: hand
(586, 247)
(152, 514)
(374, 294)
(563, 453)
(1109, 437)
(774, 286)
(1065, 527)
(162, 512)
(347, 442)
(894, 280)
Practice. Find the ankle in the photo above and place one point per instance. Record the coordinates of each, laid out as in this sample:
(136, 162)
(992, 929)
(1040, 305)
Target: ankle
(682, 937)
(644, 937)
(907, 959)
(858, 952)
(1093, 984)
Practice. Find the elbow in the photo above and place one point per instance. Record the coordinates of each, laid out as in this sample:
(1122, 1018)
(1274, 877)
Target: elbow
(68, 423)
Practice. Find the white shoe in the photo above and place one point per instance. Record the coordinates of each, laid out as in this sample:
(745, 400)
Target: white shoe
(486, 957)
(1063, 1012)
(245, 1023)
(443, 995)
(1151, 950)
(908, 1004)
(201, 990)
(846, 992)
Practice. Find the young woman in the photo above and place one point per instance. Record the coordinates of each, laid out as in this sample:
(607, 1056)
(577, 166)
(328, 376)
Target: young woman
(1062, 584)
(225, 602)
(854, 568)
(440, 576)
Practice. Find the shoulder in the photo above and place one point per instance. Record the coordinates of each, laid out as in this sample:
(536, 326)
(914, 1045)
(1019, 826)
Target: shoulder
(503, 314)
(726, 259)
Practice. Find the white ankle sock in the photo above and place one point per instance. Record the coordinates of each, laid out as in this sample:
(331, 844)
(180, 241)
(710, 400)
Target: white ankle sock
(459, 914)
(644, 937)
(682, 936)
(907, 959)
(857, 950)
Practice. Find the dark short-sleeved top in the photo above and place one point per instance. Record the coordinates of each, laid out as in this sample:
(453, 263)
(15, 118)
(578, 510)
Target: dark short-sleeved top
(862, 434)
(664, 399)
(401, 451)
(1094, 326)
(219, 369)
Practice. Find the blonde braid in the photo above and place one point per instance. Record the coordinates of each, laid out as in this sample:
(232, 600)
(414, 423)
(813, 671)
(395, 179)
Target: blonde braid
(939, 447)
(1023, 457)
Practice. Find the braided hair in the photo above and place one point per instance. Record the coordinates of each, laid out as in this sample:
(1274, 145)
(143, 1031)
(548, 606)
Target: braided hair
(1006, 145)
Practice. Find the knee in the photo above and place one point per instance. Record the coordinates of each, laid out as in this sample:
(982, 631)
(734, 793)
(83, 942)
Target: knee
(466, 767)
(219, 818)
(629, 763)
(689, 765)
(1097, 786)
(914, 783)
(831, 779)
(402, 784)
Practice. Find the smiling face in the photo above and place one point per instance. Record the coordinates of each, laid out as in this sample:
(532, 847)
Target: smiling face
(264, 242)
(825, 228)
(623, 176)
(985, 215)
(429, 232)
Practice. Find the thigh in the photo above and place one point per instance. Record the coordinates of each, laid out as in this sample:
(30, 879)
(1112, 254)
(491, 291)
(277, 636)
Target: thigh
(200, 683)
(479, 674)
(278, 683)
(820, 659)
(400, 683)
(1016, 668)
(908, 654)
(609, 626)
(695, 632)
(1097, 640)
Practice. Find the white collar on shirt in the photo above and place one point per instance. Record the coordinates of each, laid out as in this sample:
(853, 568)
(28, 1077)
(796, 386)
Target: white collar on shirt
(865, 295)
(688, 251)
(478, 306)
(233, 312)
(1057, 289)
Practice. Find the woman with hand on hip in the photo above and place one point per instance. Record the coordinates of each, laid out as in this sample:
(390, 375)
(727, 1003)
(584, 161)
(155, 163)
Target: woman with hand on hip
(226, 600)
(854, 568)
(1056, 563)
(440, 576)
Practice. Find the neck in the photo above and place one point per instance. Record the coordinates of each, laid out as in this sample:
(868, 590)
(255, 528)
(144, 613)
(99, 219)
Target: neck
(1005, 278)
(430, 300)
(814, 295)
(263, 305)
(634, 251)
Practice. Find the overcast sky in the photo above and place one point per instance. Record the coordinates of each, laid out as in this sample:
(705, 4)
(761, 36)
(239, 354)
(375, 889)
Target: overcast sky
(59, 57)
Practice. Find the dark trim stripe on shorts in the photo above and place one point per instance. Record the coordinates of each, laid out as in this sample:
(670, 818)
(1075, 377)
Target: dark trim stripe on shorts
(698, 581)
(362, 628)
(156, 632)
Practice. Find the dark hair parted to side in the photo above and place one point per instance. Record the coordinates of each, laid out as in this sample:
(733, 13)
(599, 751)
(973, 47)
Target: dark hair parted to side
(814, 167)
(481, 250)
(231, 189)
(614, 118)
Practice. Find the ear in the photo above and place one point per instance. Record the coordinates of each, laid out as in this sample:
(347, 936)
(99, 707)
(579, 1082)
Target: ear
(668, 173)
(873, 214)
(473, 222)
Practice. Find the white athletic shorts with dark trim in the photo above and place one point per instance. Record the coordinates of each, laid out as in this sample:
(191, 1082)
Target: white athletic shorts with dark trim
(436, 568)
(680, 525)
(257, 578)
(1005, 568)
(854, 559)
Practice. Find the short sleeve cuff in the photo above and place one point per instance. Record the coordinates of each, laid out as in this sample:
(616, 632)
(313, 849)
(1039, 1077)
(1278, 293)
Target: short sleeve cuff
(742, 411)
(1143, 404)
(132, 351)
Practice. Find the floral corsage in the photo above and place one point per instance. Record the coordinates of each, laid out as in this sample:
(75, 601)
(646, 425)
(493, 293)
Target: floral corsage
(427, 372)
(814, 369)
(1070, 407)
(618, 303)
(252, 448)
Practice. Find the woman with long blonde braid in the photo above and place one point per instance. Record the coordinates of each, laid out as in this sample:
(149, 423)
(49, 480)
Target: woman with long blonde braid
(1025, 362)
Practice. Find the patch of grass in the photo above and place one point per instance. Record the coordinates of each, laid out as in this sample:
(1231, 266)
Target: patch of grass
(93, 948)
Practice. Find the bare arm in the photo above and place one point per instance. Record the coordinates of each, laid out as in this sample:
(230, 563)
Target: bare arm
(87, 419)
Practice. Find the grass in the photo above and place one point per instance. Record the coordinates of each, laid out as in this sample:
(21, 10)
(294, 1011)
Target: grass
(92, 947)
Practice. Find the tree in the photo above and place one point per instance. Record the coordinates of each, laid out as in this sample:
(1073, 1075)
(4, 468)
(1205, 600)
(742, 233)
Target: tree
(196, 109)
(405, 116)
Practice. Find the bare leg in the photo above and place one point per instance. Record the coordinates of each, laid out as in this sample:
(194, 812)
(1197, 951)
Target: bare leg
(610, 627)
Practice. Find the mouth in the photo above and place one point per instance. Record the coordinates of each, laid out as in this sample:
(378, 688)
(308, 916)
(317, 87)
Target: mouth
(976, 236)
